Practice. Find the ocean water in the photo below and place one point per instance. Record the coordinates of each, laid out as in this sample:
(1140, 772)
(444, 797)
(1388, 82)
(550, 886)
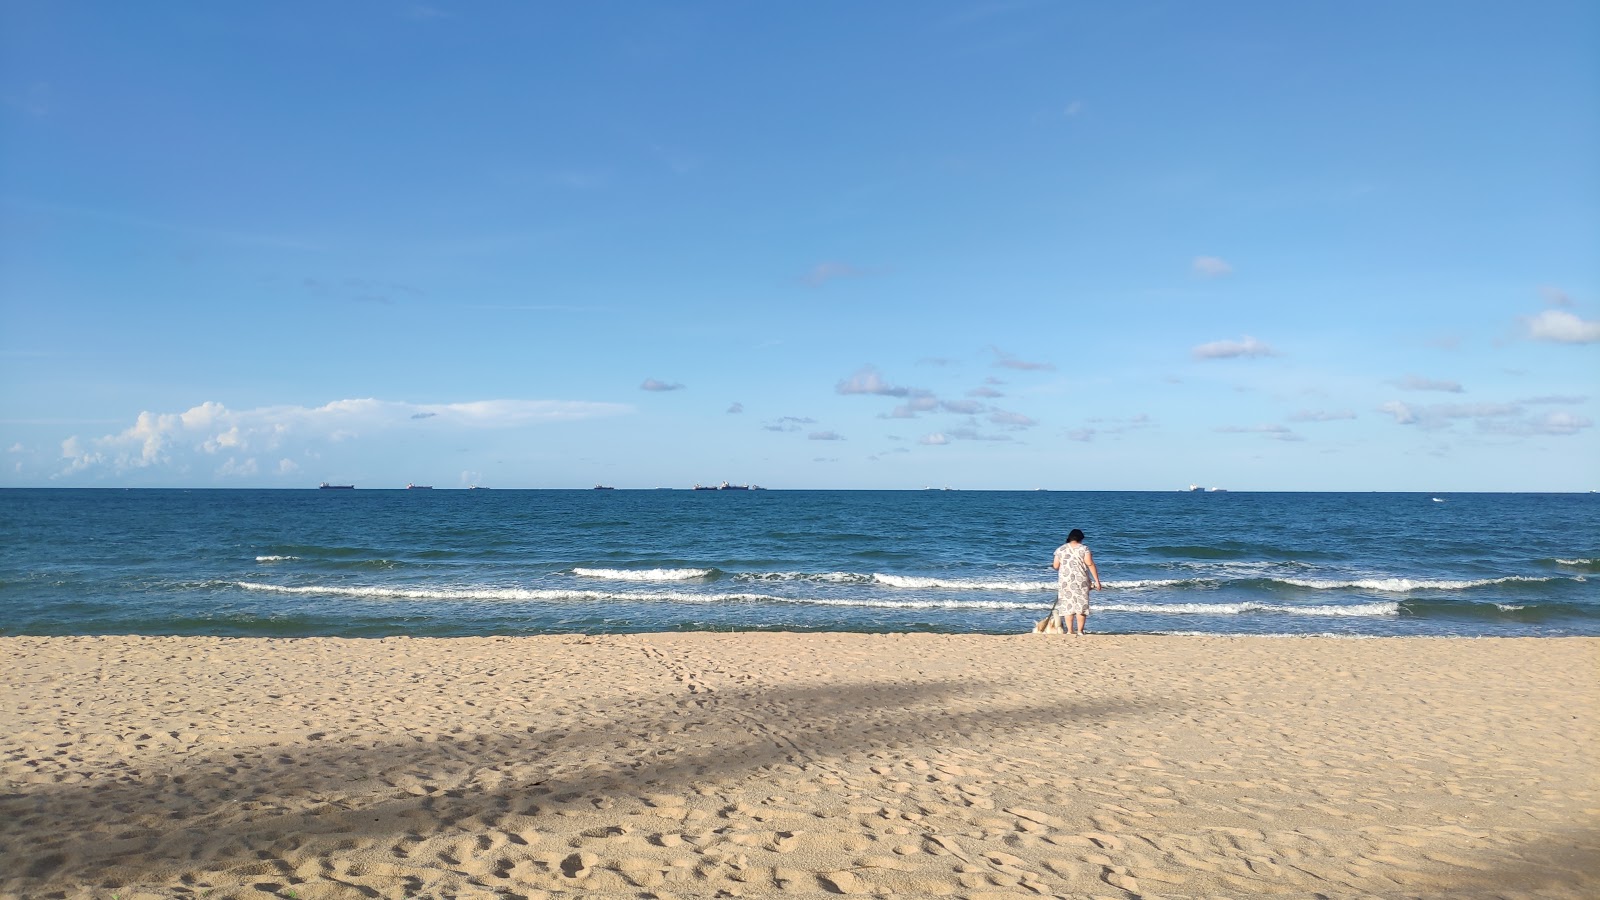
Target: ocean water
(456, 562)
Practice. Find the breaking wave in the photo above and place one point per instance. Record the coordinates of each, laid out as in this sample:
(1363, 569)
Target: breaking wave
(645, 574)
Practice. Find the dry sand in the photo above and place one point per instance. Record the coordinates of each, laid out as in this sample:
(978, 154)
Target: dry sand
(754, 765)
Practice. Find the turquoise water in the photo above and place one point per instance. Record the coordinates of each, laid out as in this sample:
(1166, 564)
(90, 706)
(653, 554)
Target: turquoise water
(439, 562)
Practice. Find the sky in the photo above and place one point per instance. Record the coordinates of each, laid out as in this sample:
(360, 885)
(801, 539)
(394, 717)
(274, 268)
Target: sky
(982, 245)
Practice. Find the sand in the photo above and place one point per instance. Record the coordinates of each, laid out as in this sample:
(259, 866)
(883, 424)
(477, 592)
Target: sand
(761, 765)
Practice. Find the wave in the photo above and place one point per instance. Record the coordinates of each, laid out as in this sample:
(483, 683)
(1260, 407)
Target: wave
(928, 583)
(960, 584)
(1404, 585)
(275, 558)
(1234, 609)
(645, 574)
(548, 595)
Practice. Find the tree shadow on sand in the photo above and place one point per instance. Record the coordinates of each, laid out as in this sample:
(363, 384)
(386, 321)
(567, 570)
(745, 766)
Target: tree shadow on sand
(241, 804)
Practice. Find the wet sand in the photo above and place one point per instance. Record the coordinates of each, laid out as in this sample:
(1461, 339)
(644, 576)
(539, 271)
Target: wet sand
(761, 765)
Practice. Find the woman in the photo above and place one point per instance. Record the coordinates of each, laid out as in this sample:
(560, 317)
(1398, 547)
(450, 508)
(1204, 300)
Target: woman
(1076, 564)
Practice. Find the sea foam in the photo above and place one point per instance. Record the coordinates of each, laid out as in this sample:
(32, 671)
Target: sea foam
(1403, 585)
(644, 574)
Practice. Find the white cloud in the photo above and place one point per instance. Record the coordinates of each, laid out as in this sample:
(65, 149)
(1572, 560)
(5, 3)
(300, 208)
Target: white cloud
(17, 447)
(1245, 348)
(1084, 435)
(1557, 424)
(650, 384)
(824, 436)
(1073, 109)
(985, 391)
(235, 469)
(157, 439)
(1419, 383)
(935, 439)
(1505, 418)
(1211, 267)
(866, 380)
(287, 467)
(1562, 327)
(736, 408)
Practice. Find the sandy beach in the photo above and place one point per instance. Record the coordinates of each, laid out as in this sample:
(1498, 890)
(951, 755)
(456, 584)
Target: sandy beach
(754, 765)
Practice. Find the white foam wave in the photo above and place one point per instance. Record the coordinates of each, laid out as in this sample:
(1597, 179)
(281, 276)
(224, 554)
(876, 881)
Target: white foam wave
(1577, 562)
(1402, 585)
(488, 593)
(1151, 583)
(960, 584)
(643, 574)
(524, 594)
(1234, 609)
(1510, 607)
(275, 558)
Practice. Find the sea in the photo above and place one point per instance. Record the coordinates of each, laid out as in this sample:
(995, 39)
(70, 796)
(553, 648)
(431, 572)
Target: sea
(358, 563)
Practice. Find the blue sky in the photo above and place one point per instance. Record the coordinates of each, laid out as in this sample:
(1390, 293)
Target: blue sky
(1008, 245)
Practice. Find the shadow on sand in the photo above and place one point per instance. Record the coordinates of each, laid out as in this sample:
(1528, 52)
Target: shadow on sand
(248, 805)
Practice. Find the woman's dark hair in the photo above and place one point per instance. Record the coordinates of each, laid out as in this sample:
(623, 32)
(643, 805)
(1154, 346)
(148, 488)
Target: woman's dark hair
(1075, 535)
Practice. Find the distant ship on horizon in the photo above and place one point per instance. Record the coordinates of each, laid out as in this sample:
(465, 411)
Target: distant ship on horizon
(418, 487)
(336, 487)
(725, 486)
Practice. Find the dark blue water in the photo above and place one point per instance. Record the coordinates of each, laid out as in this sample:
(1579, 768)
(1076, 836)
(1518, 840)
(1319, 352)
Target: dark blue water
(441, 562)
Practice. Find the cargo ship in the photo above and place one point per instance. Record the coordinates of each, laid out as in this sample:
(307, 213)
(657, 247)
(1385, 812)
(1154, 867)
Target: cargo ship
(336, 487)
(418, 487)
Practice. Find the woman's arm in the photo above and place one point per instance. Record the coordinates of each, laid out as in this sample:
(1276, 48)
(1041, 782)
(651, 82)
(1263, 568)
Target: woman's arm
(1055, 561)
(1088, 560)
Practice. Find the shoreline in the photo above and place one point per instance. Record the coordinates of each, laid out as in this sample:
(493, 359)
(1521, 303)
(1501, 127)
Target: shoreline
(799, 764)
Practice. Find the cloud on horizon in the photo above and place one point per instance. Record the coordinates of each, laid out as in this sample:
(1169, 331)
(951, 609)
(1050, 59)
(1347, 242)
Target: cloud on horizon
(1488, 418)
(651, 384)
(204, 433)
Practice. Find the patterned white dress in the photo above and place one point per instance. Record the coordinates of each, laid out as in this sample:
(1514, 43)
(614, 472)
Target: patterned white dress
(1072, 582)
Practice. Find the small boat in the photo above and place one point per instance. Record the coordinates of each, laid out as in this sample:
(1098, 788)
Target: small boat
(475, 487)
(418, 487)
(604, 487)
(1438, 500)
(336, 487)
